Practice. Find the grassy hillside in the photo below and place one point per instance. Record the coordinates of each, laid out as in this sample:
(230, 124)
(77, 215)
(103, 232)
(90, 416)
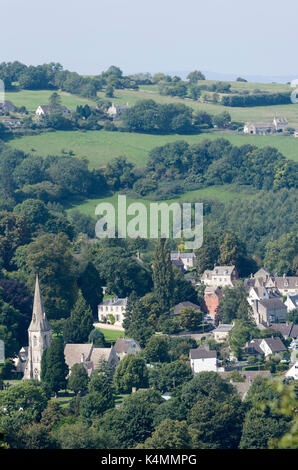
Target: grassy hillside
(101, 146)
(32, 99)
(257, 113)
(222, 193)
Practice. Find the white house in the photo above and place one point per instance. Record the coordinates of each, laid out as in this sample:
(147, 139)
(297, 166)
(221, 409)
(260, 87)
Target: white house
(115, 111)
(293, 371)
(220, 276)
(292, 302)
(188, 259)
(203, 360)
(115, 307)
(42, 110)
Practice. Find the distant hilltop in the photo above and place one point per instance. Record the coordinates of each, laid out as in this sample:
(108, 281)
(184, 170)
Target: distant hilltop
(232, 76)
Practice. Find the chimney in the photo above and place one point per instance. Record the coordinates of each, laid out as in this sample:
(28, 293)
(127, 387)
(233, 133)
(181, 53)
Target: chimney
(138, 255)
(82, 357)
(133, 389)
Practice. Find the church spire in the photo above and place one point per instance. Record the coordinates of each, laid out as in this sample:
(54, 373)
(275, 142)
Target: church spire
(40, 336)
(39, 320)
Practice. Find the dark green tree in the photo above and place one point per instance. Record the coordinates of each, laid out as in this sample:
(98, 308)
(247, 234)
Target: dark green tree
(78, 379)
(54, 368)
(163, 275)
(130, 372)
(80, 323)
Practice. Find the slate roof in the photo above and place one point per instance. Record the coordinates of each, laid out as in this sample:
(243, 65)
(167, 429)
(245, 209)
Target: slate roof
(122, 345)
(284, 328)
(292, 282)
(249, 376)
(73, 353)
(201, 353)
(99, 354)
(115, 301)
(175, 255)
(275, 344)
(273, 303)
(181, 305)
(177, 262)
(223, 328)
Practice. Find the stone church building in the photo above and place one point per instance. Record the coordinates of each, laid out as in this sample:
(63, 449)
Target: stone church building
(40, 336)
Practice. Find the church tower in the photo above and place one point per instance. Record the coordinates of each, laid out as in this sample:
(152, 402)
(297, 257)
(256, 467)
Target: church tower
(40, 336)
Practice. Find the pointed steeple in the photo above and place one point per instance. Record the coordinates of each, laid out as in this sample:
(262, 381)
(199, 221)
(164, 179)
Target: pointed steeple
(39, 320)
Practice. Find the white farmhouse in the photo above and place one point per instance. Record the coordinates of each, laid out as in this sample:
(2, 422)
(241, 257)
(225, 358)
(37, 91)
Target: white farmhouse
(202, 360)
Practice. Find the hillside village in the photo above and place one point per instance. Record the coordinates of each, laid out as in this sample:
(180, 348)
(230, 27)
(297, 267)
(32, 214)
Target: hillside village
(139, 342)
(270, 355)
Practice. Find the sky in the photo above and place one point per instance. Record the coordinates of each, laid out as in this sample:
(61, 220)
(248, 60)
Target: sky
(257, 37)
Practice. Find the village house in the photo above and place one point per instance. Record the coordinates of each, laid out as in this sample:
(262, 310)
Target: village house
(258, 128)
(222, 331)
(115, 111)
(124, 346)
(248, 376)
(264, 347)
(188, 259)
(220, 276)
(7, 107)
(267, 311)
(89, 356)
(291, 302)
(202, 360)
(287, 285)
(288, 330)
(293, 372)
(212, 296)
(115, 307)
(260, 292)
(178, 264)
(280, 124)
(264, 128)
(43, 110)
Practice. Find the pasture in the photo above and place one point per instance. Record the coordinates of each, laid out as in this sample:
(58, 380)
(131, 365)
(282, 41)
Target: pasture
(100, 147)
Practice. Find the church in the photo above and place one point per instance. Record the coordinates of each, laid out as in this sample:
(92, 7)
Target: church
(29, 358)
(40, 336)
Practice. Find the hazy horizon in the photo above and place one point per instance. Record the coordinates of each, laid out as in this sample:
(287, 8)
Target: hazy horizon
(87, 37)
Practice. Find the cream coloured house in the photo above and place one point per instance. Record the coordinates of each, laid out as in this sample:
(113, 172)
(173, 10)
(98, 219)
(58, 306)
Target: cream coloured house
(220, 276)
(115, 307)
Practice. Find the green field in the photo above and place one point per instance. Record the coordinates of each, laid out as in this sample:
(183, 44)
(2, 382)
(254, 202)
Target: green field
(221, 193)
(257, 113)
(101, 146)
(32, 99)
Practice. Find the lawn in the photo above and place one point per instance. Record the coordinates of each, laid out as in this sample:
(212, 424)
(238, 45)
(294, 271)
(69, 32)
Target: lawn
(111, 336)
(99, 147)
(32, 99)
